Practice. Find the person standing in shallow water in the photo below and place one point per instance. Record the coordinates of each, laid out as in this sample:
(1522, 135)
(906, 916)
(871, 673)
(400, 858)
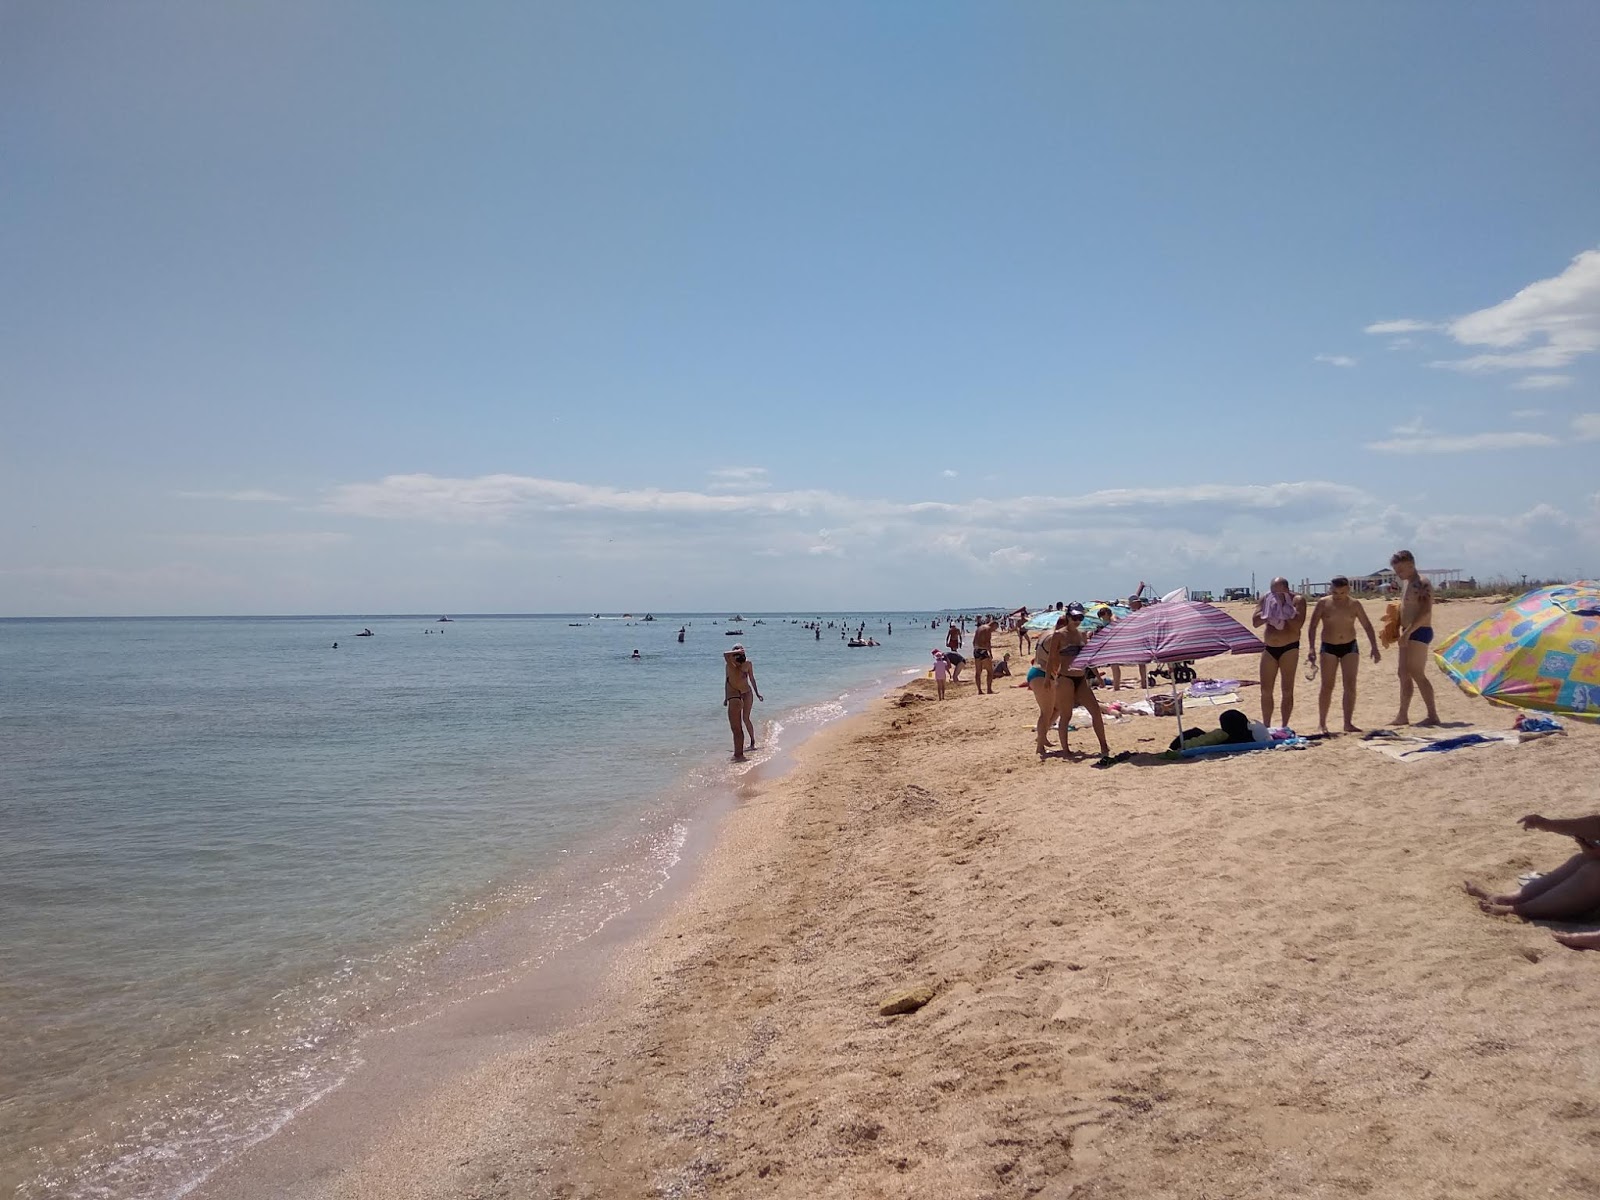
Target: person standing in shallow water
(1282, 613)
(739, 695)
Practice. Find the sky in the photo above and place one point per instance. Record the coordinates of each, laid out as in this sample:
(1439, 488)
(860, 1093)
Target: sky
(519, 307)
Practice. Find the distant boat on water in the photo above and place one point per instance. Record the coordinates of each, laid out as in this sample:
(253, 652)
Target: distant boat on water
(733, 633)
(441, 619)
(649, 616)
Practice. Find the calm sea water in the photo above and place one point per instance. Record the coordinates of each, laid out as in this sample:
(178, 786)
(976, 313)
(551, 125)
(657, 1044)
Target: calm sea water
(227, 849)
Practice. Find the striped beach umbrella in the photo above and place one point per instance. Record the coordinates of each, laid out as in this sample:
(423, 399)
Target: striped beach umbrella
(1167, 633)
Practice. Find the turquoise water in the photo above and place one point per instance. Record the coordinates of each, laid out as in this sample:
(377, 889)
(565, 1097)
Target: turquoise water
(230, 848)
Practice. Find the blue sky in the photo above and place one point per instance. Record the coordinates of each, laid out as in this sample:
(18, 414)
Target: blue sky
(534, 307)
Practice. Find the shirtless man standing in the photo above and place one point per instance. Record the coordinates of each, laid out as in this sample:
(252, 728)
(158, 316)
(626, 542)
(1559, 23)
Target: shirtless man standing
(1416, 636)
(1283, 613)
(983, 654)
(739, 694)
(1337, 615)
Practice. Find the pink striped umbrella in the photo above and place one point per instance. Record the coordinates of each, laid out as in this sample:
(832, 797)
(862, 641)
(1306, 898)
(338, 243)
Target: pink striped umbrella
(1172, 632)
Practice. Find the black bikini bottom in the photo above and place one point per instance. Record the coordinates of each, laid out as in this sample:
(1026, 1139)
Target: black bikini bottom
(1340, 650)
(1278, 652)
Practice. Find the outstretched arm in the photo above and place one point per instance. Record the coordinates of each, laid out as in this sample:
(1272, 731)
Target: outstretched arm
(1587, 828)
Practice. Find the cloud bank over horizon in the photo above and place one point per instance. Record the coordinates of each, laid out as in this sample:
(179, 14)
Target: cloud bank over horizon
(506, 542)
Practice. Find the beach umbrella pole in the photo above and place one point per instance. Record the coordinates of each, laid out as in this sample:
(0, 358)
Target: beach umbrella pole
(1177, 710)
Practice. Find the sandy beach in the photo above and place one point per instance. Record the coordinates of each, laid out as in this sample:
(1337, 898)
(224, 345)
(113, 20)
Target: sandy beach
(1255, 976)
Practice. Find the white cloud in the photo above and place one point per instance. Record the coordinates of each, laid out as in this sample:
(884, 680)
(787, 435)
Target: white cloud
(737, 478)
(1411, 428)
(1534, 383)
(1527, 414)
(1013, 558)
(498, 498)
(1402, 326)
(1465, 443)
(1335, 360)
(949, 474)
(1402, 343)
(1556, 319)
(1586, 427)
(309, 540)
(246, 496)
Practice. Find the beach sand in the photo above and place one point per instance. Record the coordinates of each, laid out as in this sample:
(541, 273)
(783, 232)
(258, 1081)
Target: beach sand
(1250, 976)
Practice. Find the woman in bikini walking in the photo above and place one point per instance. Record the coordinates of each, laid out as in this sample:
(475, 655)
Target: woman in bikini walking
(1071, 682)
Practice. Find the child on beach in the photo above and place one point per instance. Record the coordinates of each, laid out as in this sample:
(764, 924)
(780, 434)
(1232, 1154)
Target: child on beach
(941, 671)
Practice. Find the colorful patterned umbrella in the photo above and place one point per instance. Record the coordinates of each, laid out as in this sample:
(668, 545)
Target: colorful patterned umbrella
(1542, 652)
(1046, 621)
(1174, 632)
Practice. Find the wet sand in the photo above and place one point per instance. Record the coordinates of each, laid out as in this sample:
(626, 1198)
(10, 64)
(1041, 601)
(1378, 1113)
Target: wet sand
(1244, 976)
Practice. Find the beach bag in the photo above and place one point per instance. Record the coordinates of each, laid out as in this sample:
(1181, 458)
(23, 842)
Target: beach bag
(1166, 705)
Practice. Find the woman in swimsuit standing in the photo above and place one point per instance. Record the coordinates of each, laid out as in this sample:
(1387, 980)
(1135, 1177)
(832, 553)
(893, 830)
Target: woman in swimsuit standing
(1282, 612)
(1044, 690)
(1072, 686)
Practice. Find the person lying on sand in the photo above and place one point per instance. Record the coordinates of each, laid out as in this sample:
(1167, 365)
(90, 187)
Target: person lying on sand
(1568, 893)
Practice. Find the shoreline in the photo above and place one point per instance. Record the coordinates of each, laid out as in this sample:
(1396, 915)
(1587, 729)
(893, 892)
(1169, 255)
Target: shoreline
(488, 1011)
(1249, 976)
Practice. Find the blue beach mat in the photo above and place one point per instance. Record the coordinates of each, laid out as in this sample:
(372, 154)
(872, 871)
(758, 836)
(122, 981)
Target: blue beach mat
(1243, 747)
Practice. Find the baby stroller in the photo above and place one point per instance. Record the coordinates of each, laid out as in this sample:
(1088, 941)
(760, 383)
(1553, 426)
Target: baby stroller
(1178, 672)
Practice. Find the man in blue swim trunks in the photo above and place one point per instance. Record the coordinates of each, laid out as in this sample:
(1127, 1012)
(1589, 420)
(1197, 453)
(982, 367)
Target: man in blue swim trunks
(1416, 637)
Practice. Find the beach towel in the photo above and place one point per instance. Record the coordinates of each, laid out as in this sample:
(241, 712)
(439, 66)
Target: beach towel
(1278, 610)
(1415, 747)
(1215, 700)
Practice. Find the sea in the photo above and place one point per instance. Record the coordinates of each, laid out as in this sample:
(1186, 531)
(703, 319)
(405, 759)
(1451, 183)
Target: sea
(229, 851)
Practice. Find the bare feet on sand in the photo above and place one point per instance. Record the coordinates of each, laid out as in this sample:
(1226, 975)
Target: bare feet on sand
(1349, 728)
(1496, 909)
(1430, 721)
(1482, 893)
(1579, 941)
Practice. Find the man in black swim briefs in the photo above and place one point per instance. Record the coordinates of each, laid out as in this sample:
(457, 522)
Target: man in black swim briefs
(1282, 613)
(1337, 615)
(1416, 635)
